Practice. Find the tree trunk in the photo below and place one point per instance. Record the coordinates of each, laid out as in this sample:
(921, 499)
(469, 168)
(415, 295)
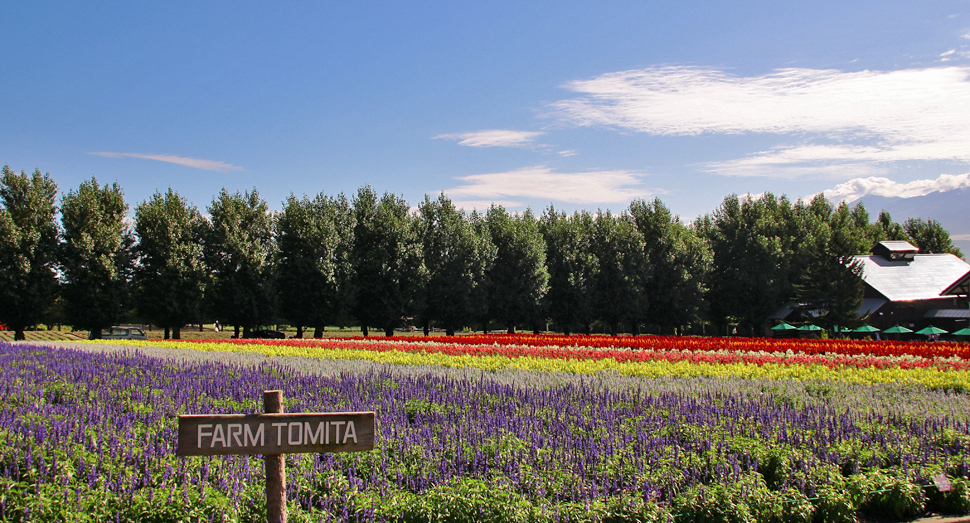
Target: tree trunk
(510, 330)
(565, 330)
(176, 333)
(201, 327)
(318, 331)
(299, 331)
(449, 331)
(614, 328)
(363, 329)
(18, 334)
(167, 334)
(389, 331)
(235, 331)
(587, 329)
(427, 327)
(247, 332)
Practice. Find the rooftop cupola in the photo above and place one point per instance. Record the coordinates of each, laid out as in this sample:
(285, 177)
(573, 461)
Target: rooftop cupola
(895, 250)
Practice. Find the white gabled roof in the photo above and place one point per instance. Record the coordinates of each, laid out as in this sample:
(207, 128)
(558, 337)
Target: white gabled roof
(923, 278)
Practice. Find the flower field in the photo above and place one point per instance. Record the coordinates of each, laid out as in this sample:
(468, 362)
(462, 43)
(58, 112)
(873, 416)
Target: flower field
(935, 365)
(497, 428)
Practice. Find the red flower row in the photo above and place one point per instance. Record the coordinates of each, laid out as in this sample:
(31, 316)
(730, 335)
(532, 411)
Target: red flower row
(693, 343)
(732, 350)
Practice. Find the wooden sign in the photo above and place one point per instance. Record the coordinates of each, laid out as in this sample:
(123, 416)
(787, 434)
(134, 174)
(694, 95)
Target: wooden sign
(272, 435)
(224, 434)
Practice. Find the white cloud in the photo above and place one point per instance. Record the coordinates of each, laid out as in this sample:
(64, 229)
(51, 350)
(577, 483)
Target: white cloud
(948, 53)
(967, 36)
(568, 153)
(854, 189)
(844, 121)
(207, 165)
(492, 138)
(542, 183)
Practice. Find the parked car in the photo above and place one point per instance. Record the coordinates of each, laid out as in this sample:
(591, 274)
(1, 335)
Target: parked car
(123, 332)
(267, 334)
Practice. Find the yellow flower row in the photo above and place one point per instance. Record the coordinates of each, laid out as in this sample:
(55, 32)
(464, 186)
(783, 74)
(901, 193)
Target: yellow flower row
(929, 376)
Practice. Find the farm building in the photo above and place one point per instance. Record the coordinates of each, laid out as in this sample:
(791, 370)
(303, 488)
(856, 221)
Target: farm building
(909, 289)
(903, 287)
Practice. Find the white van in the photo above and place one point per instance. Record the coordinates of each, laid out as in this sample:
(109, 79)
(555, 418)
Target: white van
(123, 332)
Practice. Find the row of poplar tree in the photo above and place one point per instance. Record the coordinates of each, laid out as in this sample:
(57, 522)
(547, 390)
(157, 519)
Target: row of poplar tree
(370, 260)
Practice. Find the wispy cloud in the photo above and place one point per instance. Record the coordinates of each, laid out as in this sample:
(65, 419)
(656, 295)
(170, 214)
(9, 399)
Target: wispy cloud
(492, 138)
(542, 183)
(853, 190)
(845, 122)
(197, 163)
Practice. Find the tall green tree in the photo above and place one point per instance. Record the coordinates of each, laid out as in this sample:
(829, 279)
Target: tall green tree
(750, 278)
(518, 279)
(96, 256)
(171, 275)
(314, 240)
(618, 294)
(388, 258)
(456, 258)
(679, 261)
(573, 268)
(239, 251)
(28, 248)
(830, 289)
(887, 229)
(930, 236)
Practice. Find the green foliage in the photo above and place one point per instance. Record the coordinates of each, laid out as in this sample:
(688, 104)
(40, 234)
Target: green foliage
(171, 274)
(679, 262)
(830, 286)
(930, 237)
(456, 258)
(886, 229)
(954, 501)
(96, 256)
(712, 504)
(892, 496)
(388, 260)
(572, 265)
(238, 248)
(752, 252)
(623, 269)
(473, 500)
(518, 279)
(834, 505)
(314, 267)
(28, 247)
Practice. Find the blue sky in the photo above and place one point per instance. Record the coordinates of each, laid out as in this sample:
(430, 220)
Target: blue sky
(584, 105)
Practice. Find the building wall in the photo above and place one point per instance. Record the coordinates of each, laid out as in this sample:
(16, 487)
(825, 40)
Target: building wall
(910, 314)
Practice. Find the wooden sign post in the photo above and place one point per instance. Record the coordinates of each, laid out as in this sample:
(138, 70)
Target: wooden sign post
(273, 434)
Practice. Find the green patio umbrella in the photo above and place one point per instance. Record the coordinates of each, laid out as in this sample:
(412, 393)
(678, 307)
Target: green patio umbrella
(809, 327)
(962, 332)
(783, 327)
(867, 329)
(931, 330)
(898, 329)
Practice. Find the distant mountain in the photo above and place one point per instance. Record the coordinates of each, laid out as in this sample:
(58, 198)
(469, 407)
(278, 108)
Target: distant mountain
(950, 208)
